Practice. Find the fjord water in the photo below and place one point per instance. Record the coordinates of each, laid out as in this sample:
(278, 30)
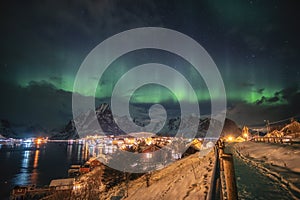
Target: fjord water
(31, 164)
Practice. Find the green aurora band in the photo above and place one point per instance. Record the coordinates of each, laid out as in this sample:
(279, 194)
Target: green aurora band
(233, 78)
(156, 94)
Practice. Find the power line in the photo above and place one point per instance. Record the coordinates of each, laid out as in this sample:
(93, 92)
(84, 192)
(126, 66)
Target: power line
(274, 122)
(284, 119)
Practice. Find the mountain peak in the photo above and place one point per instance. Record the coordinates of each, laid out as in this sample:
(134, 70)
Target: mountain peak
(5, 129)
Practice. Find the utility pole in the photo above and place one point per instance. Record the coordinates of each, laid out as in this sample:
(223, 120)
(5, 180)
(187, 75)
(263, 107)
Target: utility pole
(267, 125)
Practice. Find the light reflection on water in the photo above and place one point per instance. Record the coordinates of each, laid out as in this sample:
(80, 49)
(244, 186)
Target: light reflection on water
(34, 174)
(28, 164)
(23, 176)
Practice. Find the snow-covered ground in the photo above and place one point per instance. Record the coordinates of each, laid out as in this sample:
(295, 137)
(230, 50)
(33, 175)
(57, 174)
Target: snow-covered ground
(188, 178)
(279, 161)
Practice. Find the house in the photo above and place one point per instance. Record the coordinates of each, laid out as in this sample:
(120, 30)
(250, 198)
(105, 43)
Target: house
(148, 151)
(85, 168)
(74, 170)
(118, 142)
(19, 192)
(94, 162)
(62, 184)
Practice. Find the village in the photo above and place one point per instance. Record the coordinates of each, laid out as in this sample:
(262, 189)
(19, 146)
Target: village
(99, 148)
(93, 178)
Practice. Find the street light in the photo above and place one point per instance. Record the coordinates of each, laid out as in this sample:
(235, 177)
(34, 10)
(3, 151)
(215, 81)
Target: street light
(267, 125)
(230, 138)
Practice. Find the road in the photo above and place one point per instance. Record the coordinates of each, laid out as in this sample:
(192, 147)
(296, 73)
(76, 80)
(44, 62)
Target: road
(253, 184)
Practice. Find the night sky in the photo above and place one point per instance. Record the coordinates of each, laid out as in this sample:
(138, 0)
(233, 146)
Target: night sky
(255, 45)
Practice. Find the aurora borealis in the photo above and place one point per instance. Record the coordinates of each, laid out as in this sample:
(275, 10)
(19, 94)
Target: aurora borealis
(255, 45)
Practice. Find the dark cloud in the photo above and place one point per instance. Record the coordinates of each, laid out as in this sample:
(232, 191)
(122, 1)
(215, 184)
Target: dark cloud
(261, 100)
(289, 95)
(260, 91)
(272, 99)
(276, 94)
(251, 114)
(284, 104)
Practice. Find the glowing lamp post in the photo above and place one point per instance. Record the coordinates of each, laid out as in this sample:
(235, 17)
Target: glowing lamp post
(245, 135)
(230, 139)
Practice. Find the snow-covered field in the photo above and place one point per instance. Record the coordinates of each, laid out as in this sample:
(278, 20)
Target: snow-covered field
(188, 178)
(281, 162)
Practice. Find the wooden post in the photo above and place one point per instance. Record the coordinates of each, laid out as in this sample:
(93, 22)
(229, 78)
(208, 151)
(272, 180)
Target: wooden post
(127, 184)
(221, 151)
(220, 147)
(148, 175)
(229, 174)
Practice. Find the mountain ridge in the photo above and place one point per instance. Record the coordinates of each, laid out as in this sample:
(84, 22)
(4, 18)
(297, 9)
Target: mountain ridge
(105, 119)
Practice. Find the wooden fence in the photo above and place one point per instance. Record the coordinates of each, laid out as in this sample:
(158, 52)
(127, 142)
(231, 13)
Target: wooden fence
(280, 140)
(223, 182)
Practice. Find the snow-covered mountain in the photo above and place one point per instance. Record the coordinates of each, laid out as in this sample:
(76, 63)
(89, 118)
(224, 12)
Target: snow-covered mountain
(6, 130)
(229, 128)
(89, 125)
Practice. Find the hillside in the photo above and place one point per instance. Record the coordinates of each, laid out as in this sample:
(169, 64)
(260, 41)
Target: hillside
(231, 128)
(188, 178)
